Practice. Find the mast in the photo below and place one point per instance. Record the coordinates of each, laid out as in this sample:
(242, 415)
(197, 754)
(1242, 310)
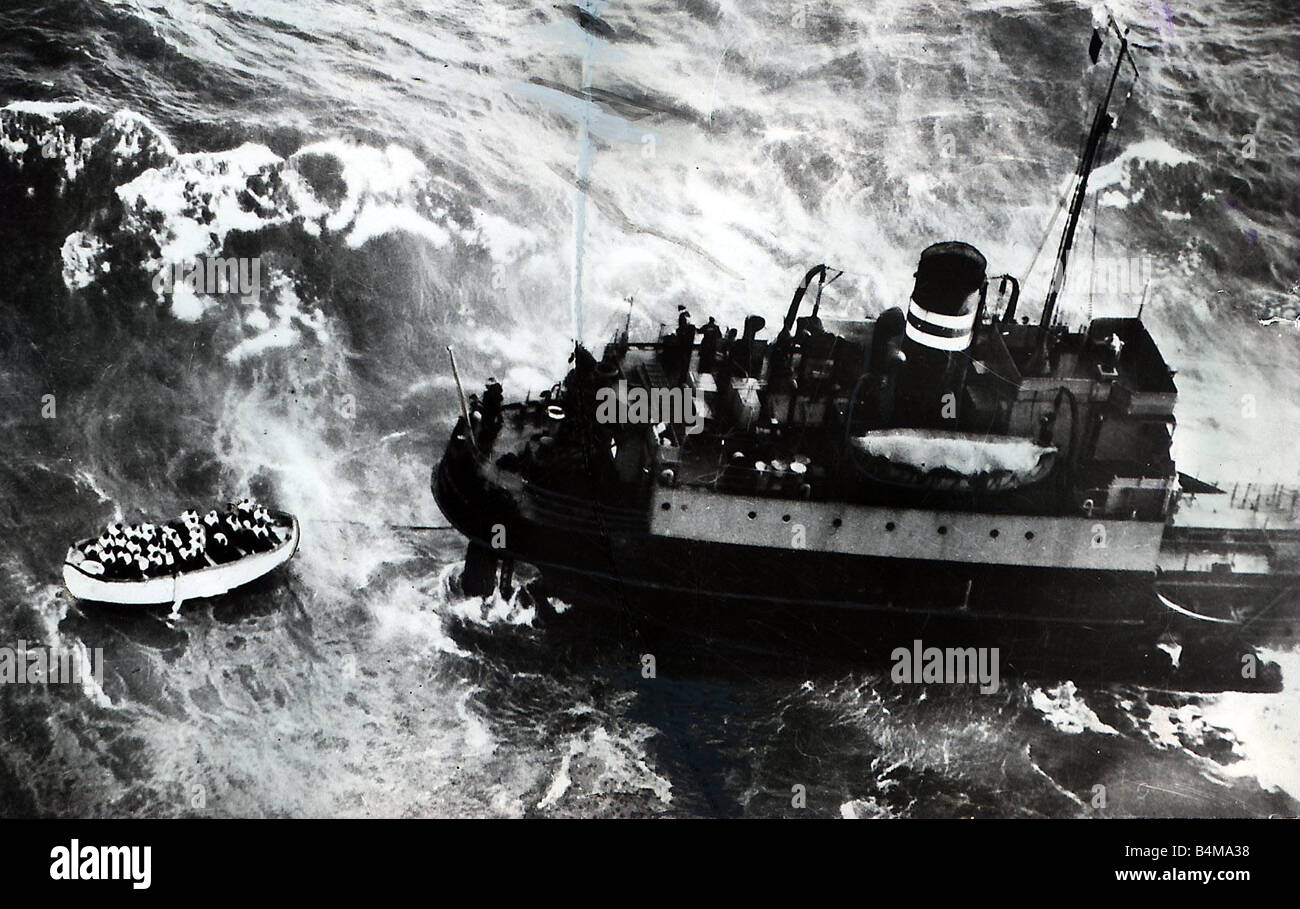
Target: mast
(1102, 123)
(464, 406)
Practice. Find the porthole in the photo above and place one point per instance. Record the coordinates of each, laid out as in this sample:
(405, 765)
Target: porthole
(752, 515)
(1029, 534)
(889, 525)
(786, 518)
(837, 523)
(667, 506)
(994, 533)
(942, 530)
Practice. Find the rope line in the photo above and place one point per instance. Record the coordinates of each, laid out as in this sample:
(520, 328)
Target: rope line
(385, 526)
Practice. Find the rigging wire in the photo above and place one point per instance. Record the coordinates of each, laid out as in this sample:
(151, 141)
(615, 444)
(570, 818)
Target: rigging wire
(1092, 266)
(1051, 225)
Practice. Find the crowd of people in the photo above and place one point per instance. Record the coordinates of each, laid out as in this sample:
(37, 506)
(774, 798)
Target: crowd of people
(136, 551)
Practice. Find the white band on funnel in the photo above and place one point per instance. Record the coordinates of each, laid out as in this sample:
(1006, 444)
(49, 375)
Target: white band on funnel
(961, 342)
(962, 324)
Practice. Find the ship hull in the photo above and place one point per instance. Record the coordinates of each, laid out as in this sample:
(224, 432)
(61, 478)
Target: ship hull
(797, 601)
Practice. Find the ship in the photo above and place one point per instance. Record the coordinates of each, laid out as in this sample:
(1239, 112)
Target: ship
(949, 470)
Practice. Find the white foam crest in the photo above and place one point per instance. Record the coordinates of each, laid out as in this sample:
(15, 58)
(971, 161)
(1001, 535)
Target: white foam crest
(290, 315)
(1259, 729)
(199, 197)
(135, 132)
(90, 686)
(81, 253)
(189, 206)
(406, 616)
(55, 142)
(602, 763)
(50, 110)
(863, 809)
(381, 187)
(1265, 729)
(378, 220)
(51, 607)
(560, 784)
(478, 736)
(493, 609)
(1066, 710)
(1148, 151)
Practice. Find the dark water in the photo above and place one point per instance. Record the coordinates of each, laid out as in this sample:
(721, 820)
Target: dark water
(406, 172)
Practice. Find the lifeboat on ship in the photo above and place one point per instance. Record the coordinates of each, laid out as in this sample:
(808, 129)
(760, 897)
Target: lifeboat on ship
(950, 461)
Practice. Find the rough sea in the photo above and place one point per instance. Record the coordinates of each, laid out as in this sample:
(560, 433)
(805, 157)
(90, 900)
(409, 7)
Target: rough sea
(496, 176)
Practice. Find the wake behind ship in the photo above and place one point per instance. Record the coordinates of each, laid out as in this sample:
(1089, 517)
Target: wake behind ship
(952, 469)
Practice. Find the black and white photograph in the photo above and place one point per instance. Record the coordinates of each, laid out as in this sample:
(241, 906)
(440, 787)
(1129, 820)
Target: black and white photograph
(650, 409)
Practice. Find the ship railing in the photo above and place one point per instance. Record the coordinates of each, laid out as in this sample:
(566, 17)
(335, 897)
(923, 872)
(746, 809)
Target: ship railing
(748, 481)
(1252, 496)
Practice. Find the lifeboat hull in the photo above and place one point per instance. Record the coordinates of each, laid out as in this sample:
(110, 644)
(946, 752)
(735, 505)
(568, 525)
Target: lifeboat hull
(198, 583)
